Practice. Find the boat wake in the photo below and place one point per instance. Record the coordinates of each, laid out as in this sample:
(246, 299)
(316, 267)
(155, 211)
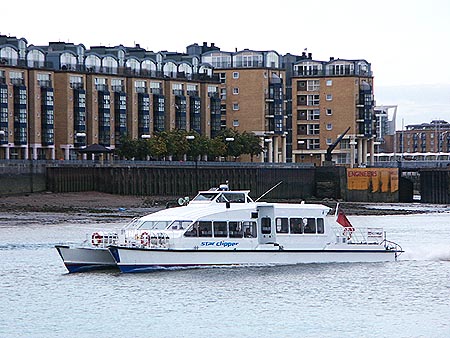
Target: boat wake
(436, 253)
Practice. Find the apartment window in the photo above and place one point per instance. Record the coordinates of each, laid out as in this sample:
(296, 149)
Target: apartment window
(329, 83)
(313, 129)
(76, 82)
(312, 85)
(313, 114)
(313, 144)
(101, 84)
(329, 126)
(43, 80)
(155, 88)
(223, 77)
(329, 141)
(223, 93)
(329, 97)
(235, 75)
(329, 112)
(117, 85)
(235, 91)
(235, 123)
(235, 106)
(312, 100)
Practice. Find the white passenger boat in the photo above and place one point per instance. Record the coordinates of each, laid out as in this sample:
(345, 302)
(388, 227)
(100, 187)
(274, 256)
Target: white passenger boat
(227, 228)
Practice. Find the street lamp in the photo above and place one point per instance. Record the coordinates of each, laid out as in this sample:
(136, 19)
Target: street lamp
(300, 146)
(191, 138)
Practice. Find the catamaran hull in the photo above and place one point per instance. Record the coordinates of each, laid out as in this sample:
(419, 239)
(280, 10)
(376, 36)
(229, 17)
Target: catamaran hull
(145, 260)
(86, 259)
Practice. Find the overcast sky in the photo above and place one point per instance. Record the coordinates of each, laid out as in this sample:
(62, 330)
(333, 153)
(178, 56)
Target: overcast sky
(406, 41)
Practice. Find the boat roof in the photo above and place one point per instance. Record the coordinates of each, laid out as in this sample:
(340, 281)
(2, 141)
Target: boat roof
(195, 211)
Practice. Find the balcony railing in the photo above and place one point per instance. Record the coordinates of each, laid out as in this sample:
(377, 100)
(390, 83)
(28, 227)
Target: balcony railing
(330, 72)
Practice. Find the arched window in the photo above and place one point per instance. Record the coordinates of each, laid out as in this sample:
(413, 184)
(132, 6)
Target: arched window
(35, 58)
(272, 60)
(205, 70)
(109, 65)
(170, 69)
(93, 63)
(185, 69)
(8, 55)
(67, 61)
(133, 65)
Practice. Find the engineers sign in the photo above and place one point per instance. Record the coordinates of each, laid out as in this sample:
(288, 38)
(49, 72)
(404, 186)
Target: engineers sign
(373, 179)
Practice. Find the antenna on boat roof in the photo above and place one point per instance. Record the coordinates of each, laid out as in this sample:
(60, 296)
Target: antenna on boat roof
(276, 185)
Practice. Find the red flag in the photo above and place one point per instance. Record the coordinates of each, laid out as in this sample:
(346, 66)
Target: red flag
(343, 220)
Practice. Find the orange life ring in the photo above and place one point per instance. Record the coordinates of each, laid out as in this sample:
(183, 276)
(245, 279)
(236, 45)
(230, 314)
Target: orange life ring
(96, 239)
(145, 238)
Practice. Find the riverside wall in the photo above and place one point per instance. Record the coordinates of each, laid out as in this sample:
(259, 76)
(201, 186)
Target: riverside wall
(186, 178)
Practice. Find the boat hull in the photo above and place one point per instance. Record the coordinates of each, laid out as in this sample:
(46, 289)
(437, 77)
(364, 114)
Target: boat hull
(85, 259)
(145, 260)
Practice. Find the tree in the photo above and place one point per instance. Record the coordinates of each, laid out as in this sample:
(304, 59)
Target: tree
(251, 144)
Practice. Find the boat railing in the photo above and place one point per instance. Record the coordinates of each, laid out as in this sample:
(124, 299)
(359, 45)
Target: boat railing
(369, 235)
(148, 239)
(102, 239)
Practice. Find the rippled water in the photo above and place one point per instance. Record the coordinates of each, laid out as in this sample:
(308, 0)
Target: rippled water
(408, 298)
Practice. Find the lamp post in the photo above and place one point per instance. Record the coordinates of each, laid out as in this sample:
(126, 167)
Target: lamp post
(269, 147)
(191, 138)
(353, 143)
(228, 140)
(300, 146)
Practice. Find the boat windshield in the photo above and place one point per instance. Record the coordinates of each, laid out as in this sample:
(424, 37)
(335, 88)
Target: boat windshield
(154, 225)
(205, 196)
(231, 197)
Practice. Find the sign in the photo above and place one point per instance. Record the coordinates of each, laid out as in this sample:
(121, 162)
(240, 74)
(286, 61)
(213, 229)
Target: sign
(373, 179)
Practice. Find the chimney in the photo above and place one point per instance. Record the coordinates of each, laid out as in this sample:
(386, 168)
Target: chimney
(212, 44)
(205, 44)
(331, 58)
(310, 56)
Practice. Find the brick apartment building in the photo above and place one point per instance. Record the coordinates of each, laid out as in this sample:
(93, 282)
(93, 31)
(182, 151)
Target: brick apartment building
(59, 98)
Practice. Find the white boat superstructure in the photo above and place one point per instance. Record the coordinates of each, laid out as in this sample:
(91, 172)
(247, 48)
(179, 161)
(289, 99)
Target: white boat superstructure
(223, 227)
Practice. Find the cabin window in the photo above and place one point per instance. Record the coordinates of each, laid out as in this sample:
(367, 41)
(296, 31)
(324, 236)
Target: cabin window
(320, 226)
(309, 225)
(205, 229)
(296, 225)
(220, 229)
(266, 225)
(282, 225)
(154, 225)
(180, 225)
(235, 229)
(249, 229)
(192, 231)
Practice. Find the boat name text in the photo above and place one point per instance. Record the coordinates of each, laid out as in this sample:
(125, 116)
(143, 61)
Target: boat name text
(220, 243)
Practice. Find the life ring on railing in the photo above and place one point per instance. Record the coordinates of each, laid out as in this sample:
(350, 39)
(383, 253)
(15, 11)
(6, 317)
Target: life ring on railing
(96, 239)
(145, 238)
(347, 233)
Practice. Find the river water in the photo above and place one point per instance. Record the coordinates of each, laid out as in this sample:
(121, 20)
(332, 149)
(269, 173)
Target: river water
(408, 298)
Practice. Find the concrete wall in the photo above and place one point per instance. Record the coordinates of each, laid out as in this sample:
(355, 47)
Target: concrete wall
(22, 177)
